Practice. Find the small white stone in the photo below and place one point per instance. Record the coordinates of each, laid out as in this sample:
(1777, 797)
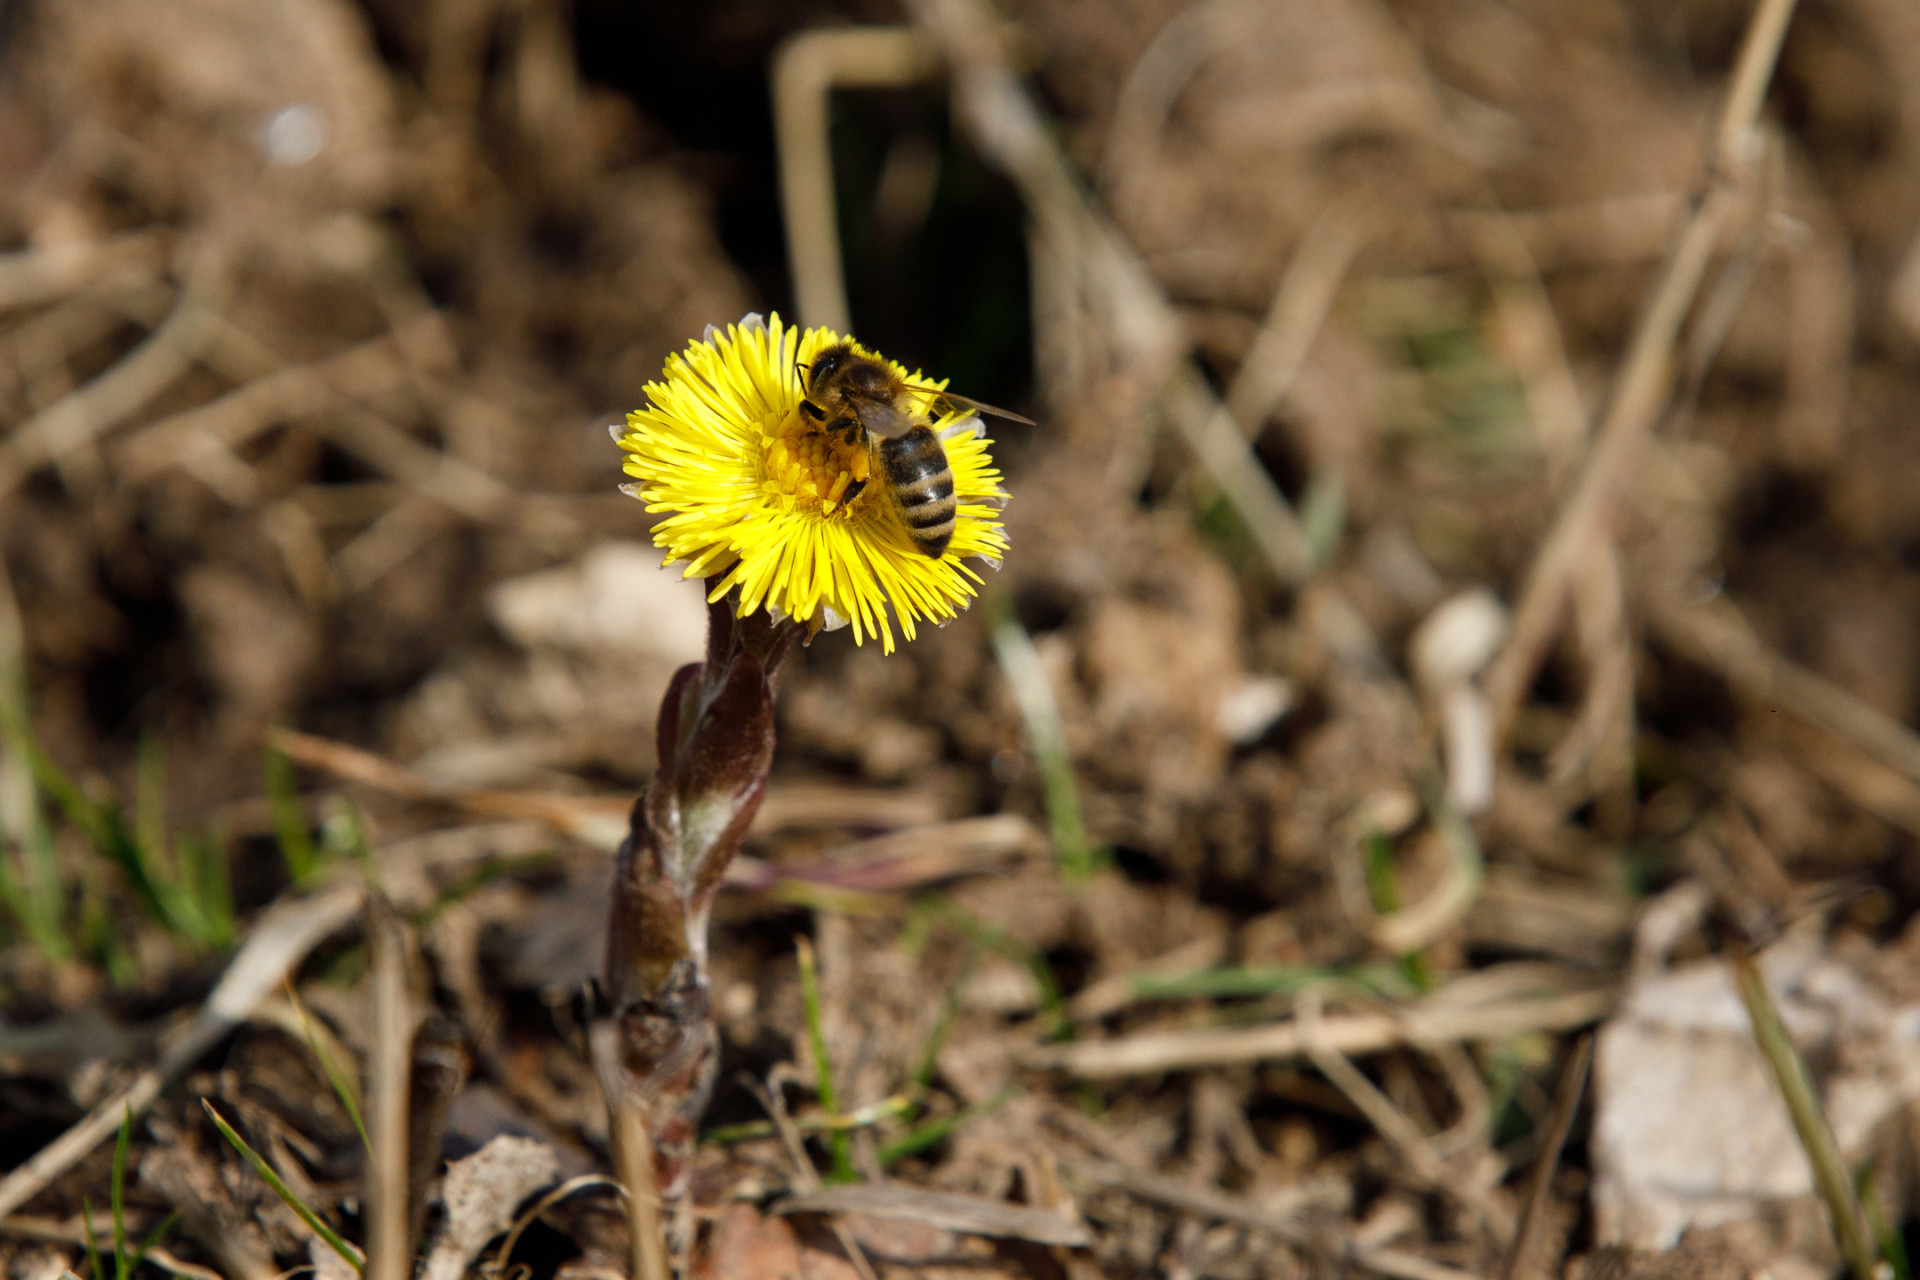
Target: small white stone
(295, 135)
(1458, 638)
(1253, 706)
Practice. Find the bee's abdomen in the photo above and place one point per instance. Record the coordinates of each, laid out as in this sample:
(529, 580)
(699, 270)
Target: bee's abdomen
(922, 487)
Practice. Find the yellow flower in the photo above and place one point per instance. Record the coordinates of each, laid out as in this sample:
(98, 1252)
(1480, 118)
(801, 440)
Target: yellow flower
(754, 490)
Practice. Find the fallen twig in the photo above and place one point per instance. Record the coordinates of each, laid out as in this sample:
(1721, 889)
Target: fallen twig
(1566, 1103)
(373, 369)
(280, 940)
(1278, 1218)
(1641, 388)
(34, 276)
(84, 413)
(1718, 635)
(970, 1215)
(804, 1173)
(601, 821)
(1428, 1023)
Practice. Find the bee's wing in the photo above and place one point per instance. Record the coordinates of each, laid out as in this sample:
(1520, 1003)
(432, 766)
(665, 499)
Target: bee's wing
(962, 402)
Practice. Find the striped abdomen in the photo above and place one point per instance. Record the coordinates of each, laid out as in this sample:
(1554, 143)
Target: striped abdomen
(921, 483)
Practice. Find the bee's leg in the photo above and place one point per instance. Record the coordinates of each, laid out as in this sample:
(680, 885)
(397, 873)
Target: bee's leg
(813, 411)
(853, 491)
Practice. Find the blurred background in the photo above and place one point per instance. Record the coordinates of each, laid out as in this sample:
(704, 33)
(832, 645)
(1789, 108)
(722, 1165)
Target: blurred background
(1472, 537)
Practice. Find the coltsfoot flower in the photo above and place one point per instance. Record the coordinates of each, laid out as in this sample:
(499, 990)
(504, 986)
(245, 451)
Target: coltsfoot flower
(756, 493)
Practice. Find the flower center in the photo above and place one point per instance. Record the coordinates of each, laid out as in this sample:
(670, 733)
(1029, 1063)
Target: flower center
(805, 465)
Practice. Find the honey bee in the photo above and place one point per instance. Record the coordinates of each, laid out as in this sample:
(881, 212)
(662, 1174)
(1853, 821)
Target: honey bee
(864, 403)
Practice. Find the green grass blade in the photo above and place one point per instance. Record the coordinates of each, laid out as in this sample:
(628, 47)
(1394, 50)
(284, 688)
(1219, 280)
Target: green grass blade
(1893, 1249)
(1077, 856)
(1053, 1005)
(150, 796)
(932, 1132)
(839, 1145)
(343, 1085)
(289, 823)
(1383, 887)
(100, 934)
(352, 1256)
(93, 1241)
(80, 808)
(207, 885)
(38, 896)
(942, 1027)
(47, 893)
(864, 1118)
(344, 835)
(107, 831)
(154, 1237)
(41, 916)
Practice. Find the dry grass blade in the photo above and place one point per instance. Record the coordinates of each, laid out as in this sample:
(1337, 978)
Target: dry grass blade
(806, 70)
(1566, 1104)
(804, 1174)
(1641, 389)
(77, 418)
(389, 1222)
(1409, 929)
(1009, 129)
(969, 1215)
(373, 369)
(23, 1227)
(601, 822)
(280, 940)
(1421, 1025)
(1387, 1120)
(1300, 305)
(1718, 635)
(1281, 1220)
(1809, 1120)
(34, 276)
(572, 1185)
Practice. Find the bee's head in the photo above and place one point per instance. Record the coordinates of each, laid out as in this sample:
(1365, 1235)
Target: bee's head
(825, 365)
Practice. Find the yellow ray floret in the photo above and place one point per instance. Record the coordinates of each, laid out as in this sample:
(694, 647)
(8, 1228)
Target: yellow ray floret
(754, 493)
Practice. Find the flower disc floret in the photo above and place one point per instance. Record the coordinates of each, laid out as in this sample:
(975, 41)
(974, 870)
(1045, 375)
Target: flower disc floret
(755, 495)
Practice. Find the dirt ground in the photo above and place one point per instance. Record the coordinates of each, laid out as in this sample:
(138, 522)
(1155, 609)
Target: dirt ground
(1471, 544)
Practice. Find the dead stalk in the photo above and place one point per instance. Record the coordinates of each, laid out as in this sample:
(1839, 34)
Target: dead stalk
(806, 70)
(1720, 636)
(633, 1160)
(1809, 1120)
(1641, 389)
(389, 1235)
(1566, 1104)
(1421, 1025)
